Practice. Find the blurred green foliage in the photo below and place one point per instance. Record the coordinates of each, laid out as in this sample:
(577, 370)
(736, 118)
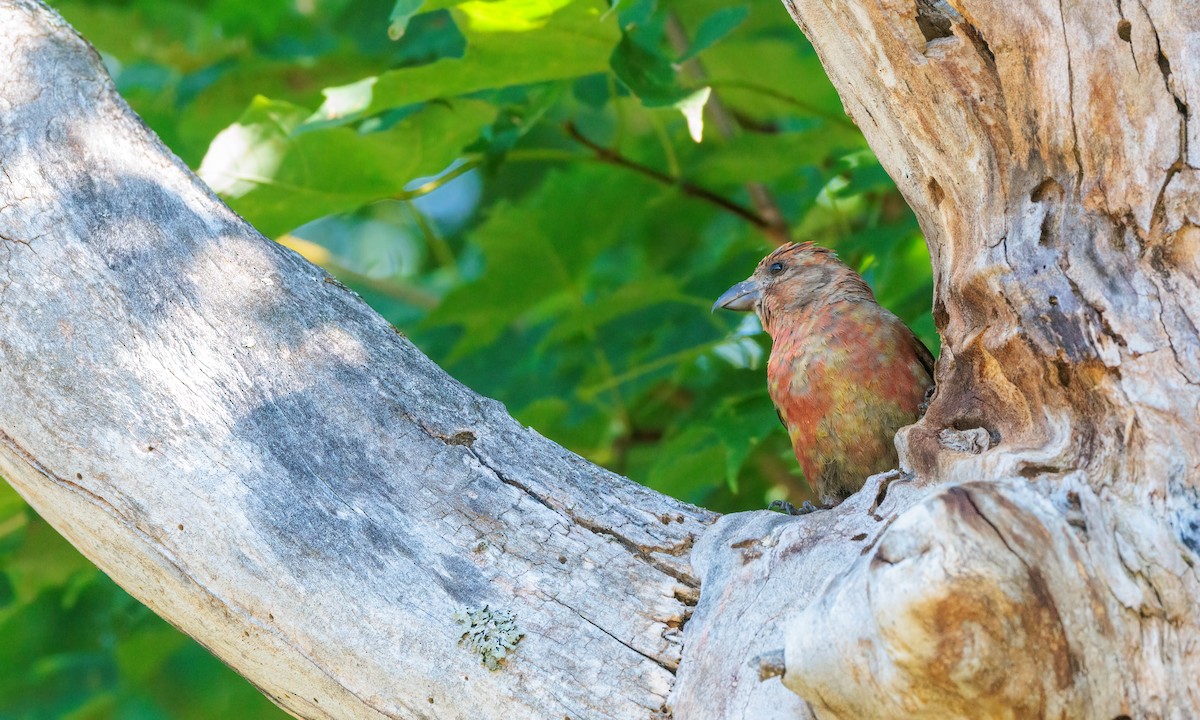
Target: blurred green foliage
(516, 185)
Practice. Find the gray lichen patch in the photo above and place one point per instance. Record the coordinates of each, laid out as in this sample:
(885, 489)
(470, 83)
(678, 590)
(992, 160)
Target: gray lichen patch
(490, 633)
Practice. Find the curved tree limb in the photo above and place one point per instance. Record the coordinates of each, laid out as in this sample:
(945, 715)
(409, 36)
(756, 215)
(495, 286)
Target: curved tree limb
(248, 449)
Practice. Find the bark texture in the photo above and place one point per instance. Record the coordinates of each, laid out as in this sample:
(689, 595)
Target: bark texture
(240, 442)
(1050, 153)
(246, 447)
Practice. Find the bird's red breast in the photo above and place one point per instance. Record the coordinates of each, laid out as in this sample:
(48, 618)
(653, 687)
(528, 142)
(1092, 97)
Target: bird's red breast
(844, 373)
(845, 377)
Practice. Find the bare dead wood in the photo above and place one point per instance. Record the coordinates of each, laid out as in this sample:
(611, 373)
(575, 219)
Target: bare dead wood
(1050, 154)
(247, 448)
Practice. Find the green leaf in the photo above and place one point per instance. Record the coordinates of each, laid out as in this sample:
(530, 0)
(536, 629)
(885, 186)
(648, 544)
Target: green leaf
(715, 26)
(865, 175)
(773, 77)
(509, 42)
(535, 259)
(523, 269)
(402, 12)
(635, 12)
(629, 298)
(689, 465)
(7, 593)
(592, 90)
(279, 174)
(514, 121)
(758, 157)
(646, 72)
(692, 108)
(741, 425)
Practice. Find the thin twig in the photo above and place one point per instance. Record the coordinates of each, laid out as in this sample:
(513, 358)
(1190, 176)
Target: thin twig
(437, 244)
(784, 98)
(613, 157)
(776, 225)
(437, 182)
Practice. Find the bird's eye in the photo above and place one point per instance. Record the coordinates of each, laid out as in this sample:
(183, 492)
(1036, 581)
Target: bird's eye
(775, 268)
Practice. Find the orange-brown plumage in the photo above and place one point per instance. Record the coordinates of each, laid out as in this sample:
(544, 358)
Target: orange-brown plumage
(844, 373)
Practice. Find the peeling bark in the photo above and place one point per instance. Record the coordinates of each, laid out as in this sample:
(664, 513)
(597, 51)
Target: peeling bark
(1050, 155)
(243, 445)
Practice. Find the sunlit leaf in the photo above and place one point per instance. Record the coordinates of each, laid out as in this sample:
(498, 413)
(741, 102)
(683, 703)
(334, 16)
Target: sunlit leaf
(714, 28)
(402, 12)
(647, 73)
(280, 176)
(486, 16)
(692, 108)
(248, 153)
(571, 42)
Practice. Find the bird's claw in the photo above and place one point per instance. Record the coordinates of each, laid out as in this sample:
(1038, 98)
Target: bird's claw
(787, 508)
(924, 406)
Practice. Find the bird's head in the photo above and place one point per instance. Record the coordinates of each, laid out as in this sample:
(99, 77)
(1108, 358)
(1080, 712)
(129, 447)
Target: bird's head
(794, 278)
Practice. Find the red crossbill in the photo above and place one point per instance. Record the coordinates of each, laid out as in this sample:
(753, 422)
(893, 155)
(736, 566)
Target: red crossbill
(845, 373)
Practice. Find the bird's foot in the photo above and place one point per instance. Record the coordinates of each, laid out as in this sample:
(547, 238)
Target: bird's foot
(787, 508)
(924, 406)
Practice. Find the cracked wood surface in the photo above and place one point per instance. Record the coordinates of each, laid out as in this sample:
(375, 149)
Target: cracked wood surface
(252, 452)
(256, 455)
(1049, 151)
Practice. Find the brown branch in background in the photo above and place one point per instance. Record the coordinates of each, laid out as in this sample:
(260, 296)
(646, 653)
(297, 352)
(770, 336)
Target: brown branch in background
(613, 157)
(776, 225)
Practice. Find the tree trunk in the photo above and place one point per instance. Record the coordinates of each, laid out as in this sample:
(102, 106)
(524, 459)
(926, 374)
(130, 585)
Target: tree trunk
(1050, 155)
(242, 444)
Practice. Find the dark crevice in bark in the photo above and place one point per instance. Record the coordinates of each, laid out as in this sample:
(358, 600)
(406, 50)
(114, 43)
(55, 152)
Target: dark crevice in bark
(1048, 233)
(670, 667)
(1164, 65)
(936, 19)
(1125, 32)
(1032, 470)
(884, 485)
(1164, 68)
(643, 552)
(1047, 189)
(1160, 209)
(936, 192)
(981, 45)
(1037, 581)
(1071, 101)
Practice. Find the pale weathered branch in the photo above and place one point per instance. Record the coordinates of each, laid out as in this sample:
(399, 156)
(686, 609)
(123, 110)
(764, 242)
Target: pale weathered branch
(240, 442)
(251, 451)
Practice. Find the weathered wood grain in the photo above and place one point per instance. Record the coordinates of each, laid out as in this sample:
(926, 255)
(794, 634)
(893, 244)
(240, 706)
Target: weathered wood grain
(1050, 153)
(244, 445)
(240, 442)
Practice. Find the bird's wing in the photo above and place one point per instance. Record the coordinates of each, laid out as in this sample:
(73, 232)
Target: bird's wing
(923, 354)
